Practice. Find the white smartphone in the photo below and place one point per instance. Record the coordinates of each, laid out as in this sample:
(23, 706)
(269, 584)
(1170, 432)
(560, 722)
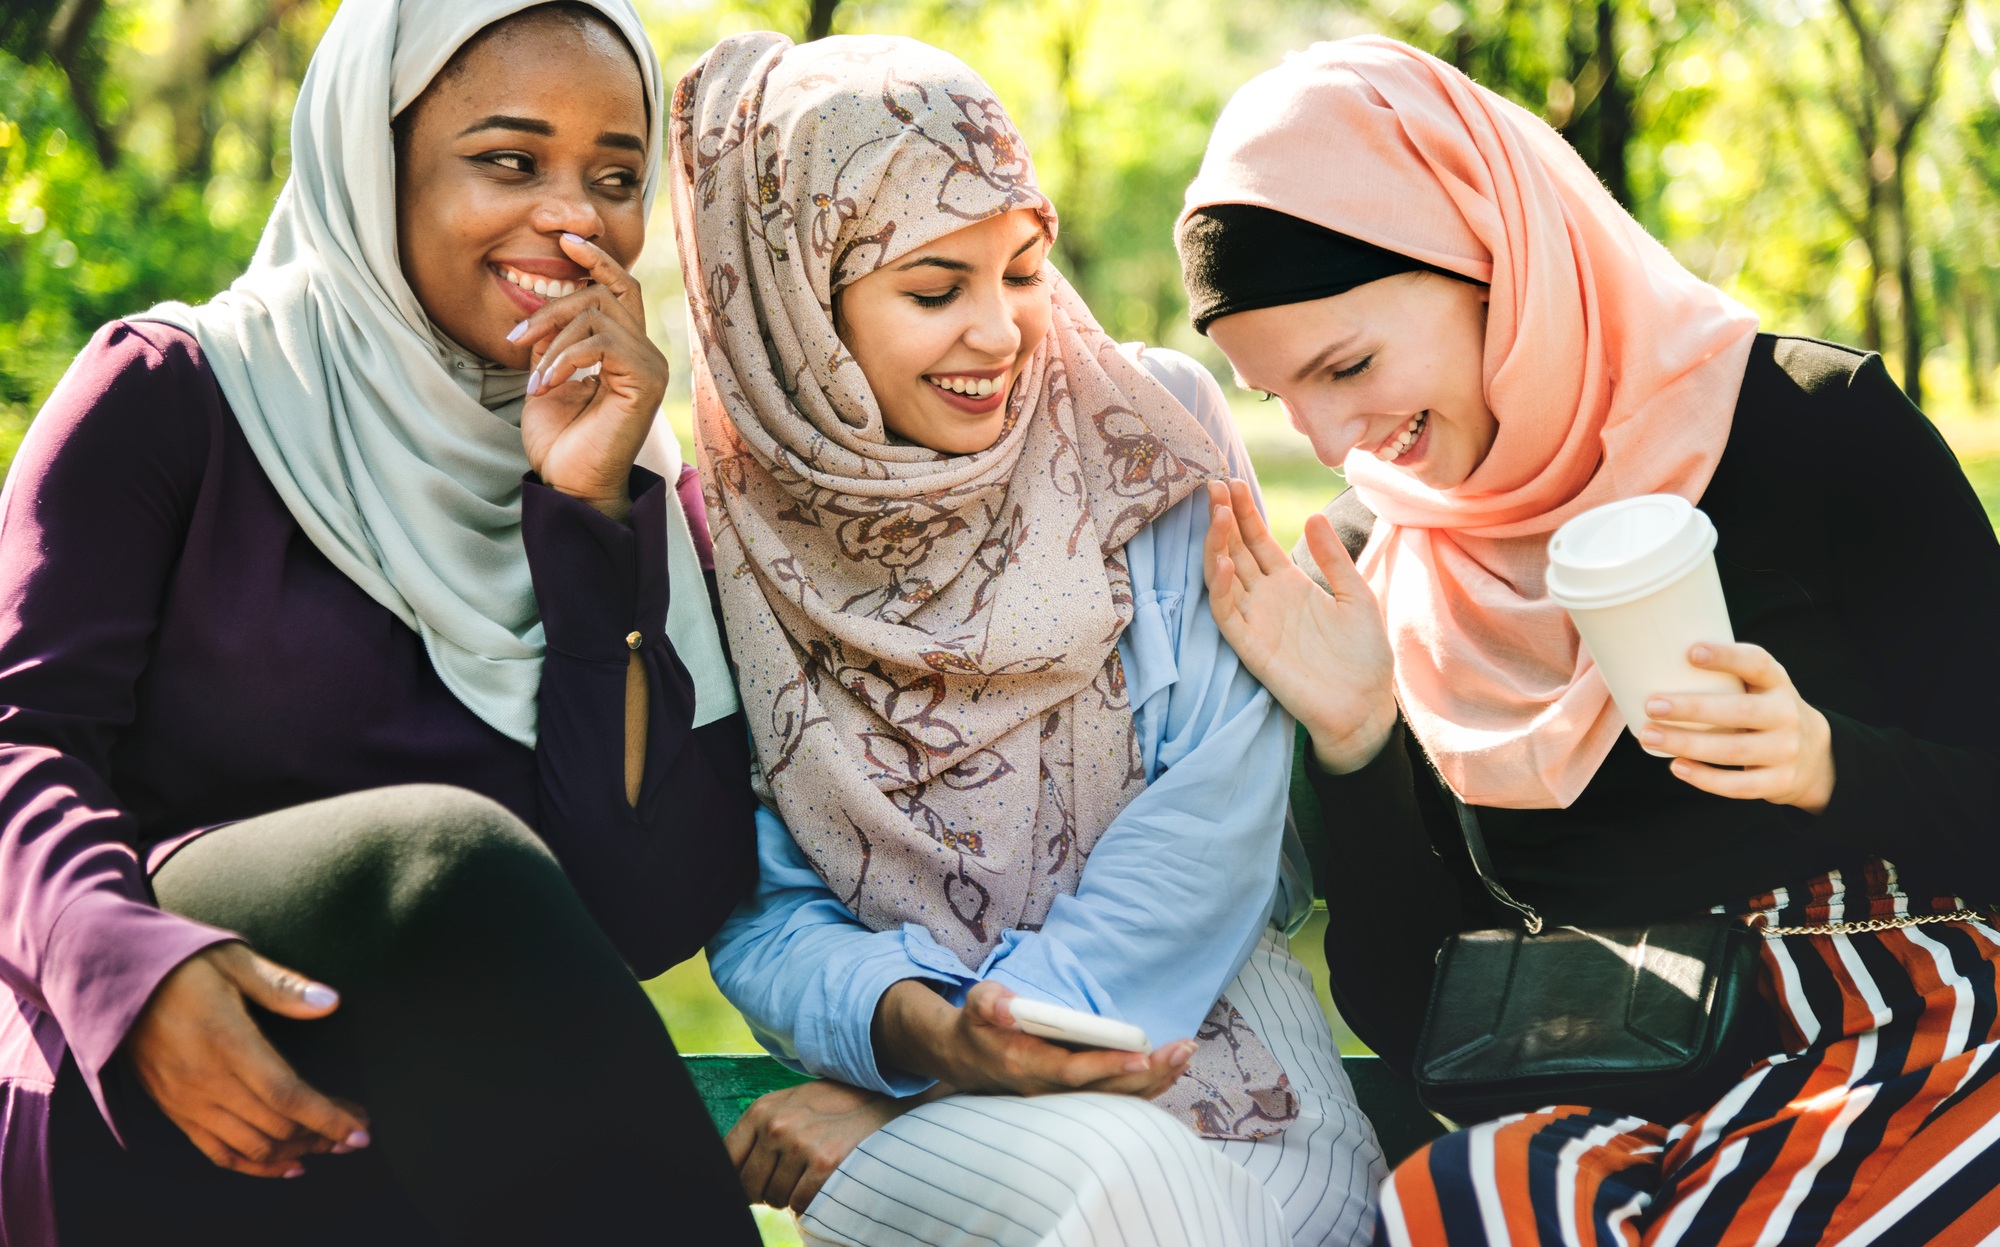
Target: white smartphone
(1078, 1030)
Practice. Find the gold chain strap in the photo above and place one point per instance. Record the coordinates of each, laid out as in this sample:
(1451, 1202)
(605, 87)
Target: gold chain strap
(1873, 924)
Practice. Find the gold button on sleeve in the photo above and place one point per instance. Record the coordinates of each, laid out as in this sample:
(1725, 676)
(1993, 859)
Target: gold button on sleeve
(633, 640)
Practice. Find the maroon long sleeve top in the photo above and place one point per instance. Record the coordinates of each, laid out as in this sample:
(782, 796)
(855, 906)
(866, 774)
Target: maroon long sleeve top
(176, 654)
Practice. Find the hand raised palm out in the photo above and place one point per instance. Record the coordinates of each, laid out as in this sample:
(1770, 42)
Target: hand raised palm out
(1324, 656)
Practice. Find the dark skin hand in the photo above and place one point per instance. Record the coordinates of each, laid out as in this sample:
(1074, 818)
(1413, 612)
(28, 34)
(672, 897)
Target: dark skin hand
(526, 155)
(202, 1058)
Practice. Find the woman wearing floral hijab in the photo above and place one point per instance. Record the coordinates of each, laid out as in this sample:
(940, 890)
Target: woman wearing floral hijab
(1467, 321)
(1002, 749)
(352, 671)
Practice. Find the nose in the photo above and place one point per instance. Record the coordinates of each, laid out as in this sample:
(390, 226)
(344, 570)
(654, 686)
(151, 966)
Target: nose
(1333, 427)
(991, 328)
(568, 210)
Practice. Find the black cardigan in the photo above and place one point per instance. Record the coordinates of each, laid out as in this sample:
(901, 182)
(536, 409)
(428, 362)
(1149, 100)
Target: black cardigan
(1853, 549)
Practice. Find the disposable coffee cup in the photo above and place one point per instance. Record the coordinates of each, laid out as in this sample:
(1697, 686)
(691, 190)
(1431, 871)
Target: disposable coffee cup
(1638, 578)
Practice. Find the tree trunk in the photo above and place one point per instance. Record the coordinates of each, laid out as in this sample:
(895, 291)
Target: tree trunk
(1972, 323)
(1067, 46)
(68, 46)
(1901, 117)
(1871, 298)
(1910, 313)
(1873, 215)
(1614, 108)
(819, 20)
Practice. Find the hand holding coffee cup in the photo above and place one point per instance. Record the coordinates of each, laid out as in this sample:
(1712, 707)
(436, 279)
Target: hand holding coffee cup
(1639, 581)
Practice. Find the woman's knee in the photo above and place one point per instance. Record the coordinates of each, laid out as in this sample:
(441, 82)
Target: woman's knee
(354, 878)
(425, 849)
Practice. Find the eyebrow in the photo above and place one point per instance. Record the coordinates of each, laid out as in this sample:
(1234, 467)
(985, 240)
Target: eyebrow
(534, 125)
(1325, 357)
(499, 121)
(960, 266)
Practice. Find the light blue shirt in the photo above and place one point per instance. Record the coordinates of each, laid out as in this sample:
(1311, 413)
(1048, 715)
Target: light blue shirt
(1174, 896)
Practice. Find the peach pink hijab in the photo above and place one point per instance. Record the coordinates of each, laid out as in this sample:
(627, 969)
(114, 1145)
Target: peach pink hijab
(1612, 371)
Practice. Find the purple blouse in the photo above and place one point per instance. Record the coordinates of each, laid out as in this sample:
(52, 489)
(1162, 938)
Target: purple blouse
(175, 655)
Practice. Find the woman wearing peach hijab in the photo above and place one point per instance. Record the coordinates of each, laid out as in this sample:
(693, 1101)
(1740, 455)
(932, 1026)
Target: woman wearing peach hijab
(1468, 324)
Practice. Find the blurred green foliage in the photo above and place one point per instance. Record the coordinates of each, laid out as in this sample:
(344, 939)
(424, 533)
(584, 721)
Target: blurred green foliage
(156, 187)
(1835, 163)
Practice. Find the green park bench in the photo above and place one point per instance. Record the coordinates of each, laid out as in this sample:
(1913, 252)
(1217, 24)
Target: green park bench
(730, 1081)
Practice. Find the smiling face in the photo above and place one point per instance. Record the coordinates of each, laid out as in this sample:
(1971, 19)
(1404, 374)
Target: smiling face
(942, 333)
(537, 128)
(1392, 368)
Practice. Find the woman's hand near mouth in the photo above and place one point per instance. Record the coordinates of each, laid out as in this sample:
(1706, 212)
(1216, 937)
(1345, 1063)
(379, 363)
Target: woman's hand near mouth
(582, 434)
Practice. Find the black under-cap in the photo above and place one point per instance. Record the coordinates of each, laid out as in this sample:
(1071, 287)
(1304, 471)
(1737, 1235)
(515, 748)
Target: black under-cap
(1240, 257)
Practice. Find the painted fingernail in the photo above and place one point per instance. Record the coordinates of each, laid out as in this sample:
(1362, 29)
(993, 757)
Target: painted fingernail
(320, 996)
(339, 1149)
(296, 1171)
(575, 238)
(1659, 706)
(514, 334)
(534, 380)
(358, 1139)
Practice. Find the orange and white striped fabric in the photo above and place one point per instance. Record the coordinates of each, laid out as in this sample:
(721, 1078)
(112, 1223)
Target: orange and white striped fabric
(1878, 1124)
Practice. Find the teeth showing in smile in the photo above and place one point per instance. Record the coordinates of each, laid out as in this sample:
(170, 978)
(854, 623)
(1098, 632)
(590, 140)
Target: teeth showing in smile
(542, 286)
(1406, 439)
(971, 387)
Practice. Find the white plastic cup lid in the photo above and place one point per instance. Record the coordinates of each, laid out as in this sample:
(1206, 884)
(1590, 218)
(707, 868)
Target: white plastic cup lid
(1624, 550)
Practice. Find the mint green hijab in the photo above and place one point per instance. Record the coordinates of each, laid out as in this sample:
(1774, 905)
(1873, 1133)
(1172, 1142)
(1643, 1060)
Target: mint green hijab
(398, 453)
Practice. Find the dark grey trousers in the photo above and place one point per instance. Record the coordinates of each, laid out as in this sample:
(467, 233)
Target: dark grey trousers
(520, 1086)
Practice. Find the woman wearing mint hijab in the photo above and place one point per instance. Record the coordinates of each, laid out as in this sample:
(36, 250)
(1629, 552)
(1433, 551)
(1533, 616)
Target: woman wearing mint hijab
(366, 725)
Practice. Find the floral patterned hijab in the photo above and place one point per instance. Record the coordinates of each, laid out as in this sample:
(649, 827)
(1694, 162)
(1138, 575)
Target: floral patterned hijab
(926, 643)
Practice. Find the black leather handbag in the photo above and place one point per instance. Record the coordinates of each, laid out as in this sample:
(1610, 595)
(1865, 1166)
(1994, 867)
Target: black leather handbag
(1655, 1021)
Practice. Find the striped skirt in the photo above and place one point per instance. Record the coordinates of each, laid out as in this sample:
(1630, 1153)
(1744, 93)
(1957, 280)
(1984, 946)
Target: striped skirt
(1878, 1124)
(1115, 1171)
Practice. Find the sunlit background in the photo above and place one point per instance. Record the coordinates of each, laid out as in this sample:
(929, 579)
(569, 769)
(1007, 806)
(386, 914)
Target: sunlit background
(1835, 164)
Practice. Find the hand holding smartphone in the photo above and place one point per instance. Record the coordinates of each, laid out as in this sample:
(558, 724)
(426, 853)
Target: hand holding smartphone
(1075, 1029)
